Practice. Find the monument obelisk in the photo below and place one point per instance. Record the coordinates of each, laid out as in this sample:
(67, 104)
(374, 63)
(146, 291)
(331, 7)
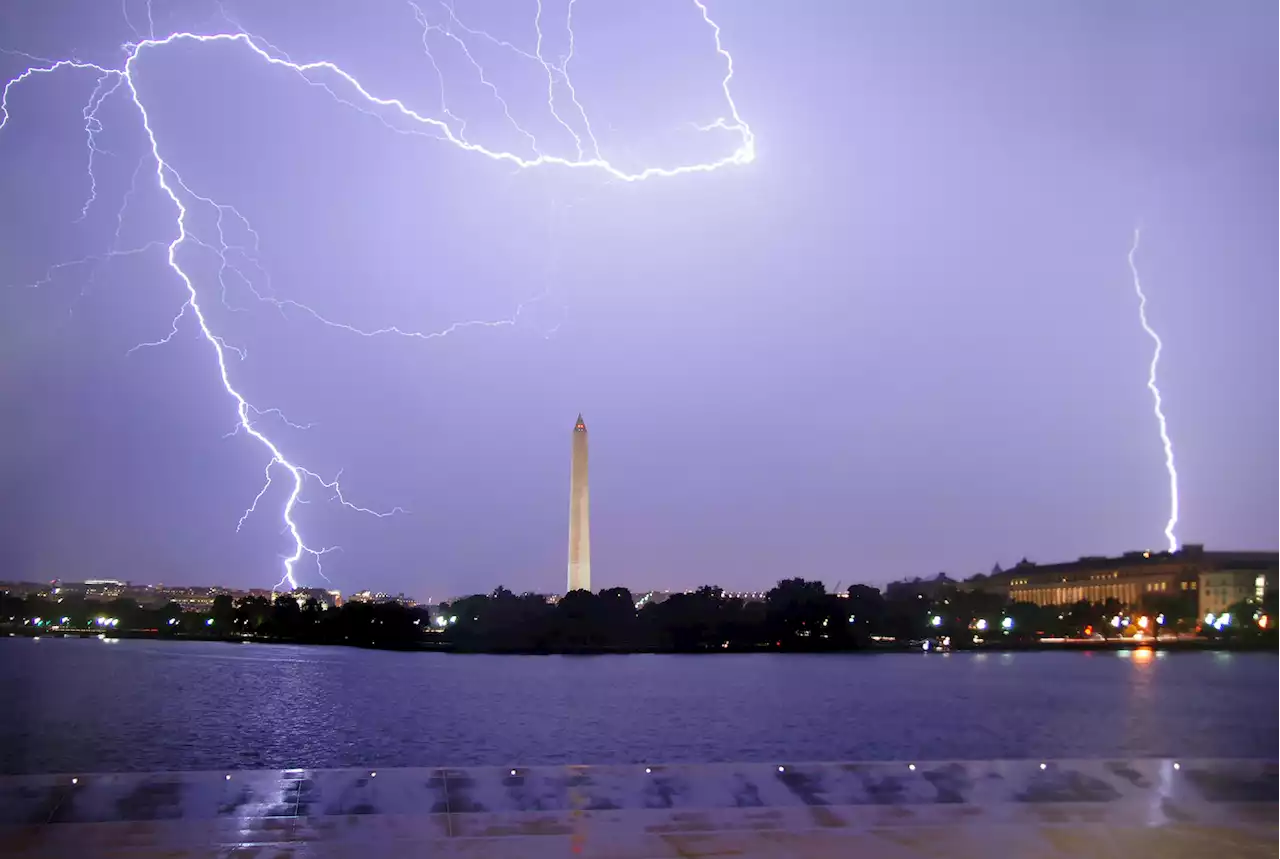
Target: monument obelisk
(579, 529)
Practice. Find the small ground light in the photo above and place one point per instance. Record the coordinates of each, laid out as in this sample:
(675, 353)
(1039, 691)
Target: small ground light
(1044, 766)
(1177, 766)
(228, 776)
(513, 772)
(650, 769)
(782, 769)
(373, 775)
(77, 781)
(911, 767)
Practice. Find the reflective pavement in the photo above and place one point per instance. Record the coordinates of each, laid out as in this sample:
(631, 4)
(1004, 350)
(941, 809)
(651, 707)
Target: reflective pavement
(1117, 809)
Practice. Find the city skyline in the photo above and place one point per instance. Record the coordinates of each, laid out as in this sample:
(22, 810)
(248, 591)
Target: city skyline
(903, 339)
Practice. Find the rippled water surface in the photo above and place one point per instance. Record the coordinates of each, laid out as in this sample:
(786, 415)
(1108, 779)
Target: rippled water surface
(89, 705)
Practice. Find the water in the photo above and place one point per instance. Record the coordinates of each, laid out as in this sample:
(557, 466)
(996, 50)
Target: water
(87, 705)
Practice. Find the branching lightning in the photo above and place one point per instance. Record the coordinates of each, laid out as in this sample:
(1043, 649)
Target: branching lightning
(1155, 396)
(235, 258)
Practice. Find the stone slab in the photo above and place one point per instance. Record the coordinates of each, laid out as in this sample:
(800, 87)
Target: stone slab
(910, 809)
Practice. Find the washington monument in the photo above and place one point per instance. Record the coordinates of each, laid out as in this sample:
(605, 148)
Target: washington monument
(579, 530)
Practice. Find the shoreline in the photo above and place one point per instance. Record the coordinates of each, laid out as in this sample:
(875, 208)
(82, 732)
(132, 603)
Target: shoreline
(1091, 646)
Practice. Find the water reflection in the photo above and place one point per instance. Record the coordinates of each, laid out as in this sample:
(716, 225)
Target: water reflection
(209, 706)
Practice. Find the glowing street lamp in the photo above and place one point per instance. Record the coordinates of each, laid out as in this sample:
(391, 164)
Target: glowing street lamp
(1007, 623)
(936, 620)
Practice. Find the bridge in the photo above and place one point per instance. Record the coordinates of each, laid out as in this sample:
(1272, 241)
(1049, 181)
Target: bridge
(898, 810)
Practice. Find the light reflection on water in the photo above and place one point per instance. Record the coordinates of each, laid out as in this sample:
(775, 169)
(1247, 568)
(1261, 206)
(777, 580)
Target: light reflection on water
(82, 705)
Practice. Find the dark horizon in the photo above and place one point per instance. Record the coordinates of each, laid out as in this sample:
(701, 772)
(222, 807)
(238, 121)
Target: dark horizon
(901, 338)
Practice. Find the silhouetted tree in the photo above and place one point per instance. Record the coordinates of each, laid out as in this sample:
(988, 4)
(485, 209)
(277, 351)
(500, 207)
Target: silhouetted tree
(223, 614)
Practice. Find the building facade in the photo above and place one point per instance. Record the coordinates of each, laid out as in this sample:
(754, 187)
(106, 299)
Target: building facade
(579, 513)
(1221, 589)
(1127, 578)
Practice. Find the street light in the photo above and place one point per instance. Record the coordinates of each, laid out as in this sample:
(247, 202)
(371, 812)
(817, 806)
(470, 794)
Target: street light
(936, 621)
(1007, 623)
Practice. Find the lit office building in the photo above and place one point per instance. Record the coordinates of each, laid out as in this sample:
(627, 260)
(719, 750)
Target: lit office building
(1127, 578)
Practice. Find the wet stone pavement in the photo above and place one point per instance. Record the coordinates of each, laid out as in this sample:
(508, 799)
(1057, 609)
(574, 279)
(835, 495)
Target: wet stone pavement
(901, 809)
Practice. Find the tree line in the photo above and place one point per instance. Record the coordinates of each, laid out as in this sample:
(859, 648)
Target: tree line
(384, 625)
(795, 615)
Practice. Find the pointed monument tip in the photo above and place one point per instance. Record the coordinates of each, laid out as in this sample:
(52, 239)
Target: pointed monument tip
(578, 425)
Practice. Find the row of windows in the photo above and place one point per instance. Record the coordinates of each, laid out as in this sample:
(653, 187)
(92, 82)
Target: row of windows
(1224, 593)
(1148, 586)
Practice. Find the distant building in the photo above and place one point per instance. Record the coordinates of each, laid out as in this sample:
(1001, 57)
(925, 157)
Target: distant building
(933, 588)
(1126, 578)
(196, 598)
(326, 598)
(651, 598)
(1221, 589)
(381, 597)
(24, 589)
(104, 589)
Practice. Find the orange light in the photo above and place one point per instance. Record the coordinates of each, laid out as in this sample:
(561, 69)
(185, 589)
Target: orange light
(1262, 621)
(1088, 630)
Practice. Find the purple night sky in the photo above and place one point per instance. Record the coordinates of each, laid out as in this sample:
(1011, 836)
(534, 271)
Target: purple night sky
(903, 340)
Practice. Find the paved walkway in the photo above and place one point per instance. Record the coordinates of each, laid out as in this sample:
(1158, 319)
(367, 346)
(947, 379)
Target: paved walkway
(1122, 809)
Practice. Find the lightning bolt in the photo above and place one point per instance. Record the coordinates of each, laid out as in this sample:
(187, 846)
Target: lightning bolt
(235, 257)
(568, 82)
(466, 51)
(1155, 396)
(91, 128)
(427, 27)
